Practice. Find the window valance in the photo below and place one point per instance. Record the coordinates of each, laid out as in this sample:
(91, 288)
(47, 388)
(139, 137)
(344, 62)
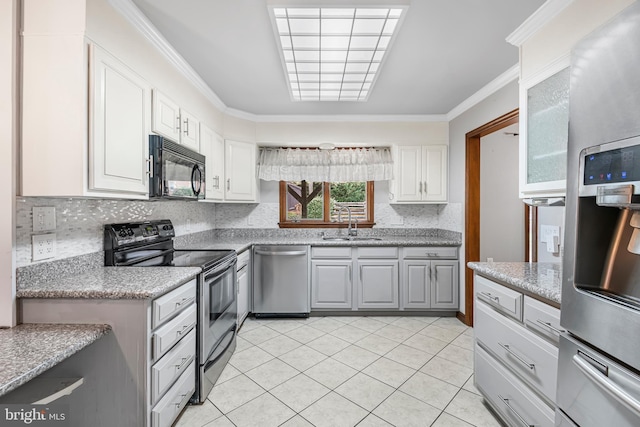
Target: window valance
(337, 165)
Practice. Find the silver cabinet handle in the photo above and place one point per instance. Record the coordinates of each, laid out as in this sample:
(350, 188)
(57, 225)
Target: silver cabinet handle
(512, 409)
(186, 128)
(487, 297)
(350, 275)
(425, 187)
(606, 384)
(360, 274)
(550, 326)
(420, 186)
(430, 273)
(229, 184)
(178, 123)
(185, 300)
(514, 354)
(184, 362)
(149, 166)
(216, 180)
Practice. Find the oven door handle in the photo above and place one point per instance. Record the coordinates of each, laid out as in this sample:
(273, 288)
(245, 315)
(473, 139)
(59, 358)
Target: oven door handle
(606, 384)
(142, 259)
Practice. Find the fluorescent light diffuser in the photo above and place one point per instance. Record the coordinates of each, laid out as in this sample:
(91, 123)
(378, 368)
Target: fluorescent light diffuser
(334, 54)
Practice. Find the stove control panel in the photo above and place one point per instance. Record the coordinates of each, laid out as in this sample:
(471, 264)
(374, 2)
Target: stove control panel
(123, 234)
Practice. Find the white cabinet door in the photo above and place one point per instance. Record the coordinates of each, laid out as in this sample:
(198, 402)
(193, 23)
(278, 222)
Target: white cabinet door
(331, 284)
(408, 174)
(544, 131)
(119, 123)
(420, 174)
(434, 187)
(189, 131)
(166, 117)
(444, 285)
(212, 146)
(240, 171)
(378, 284)
(416, 283)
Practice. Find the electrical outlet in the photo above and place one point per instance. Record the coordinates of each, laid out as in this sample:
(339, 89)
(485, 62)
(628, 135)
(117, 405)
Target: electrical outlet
(44, 218)
(44, 246)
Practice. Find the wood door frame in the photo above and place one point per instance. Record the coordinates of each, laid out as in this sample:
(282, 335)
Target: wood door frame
(472, 202)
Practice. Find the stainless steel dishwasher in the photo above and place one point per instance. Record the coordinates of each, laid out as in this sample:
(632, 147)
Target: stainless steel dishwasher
(281, 281)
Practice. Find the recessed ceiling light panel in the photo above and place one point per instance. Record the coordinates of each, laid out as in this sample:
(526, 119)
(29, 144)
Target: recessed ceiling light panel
(334, 53)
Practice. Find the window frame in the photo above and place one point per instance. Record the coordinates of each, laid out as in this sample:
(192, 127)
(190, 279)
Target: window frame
(284, 223)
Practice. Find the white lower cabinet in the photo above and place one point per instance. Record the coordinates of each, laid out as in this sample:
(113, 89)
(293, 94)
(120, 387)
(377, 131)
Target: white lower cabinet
(244, 285)
(373, 278)
(516, 353)
(331, 283)
(427, 280)
(509, 396)
(378, 283)
(147, 365)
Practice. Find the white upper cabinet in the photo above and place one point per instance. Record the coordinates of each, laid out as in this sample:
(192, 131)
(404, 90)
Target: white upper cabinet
(420, 174)
(240, 171)
(120, 113)
(212, 146)
(544, 131)
(174, 123)
(166, 117)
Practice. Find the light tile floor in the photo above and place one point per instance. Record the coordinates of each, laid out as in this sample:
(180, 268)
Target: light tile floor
(347, 371)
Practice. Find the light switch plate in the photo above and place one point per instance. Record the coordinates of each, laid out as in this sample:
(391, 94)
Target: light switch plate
(44, 246)
(44, 218)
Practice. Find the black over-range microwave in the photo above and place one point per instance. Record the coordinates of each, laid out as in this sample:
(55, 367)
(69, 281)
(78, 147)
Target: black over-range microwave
(177, 171)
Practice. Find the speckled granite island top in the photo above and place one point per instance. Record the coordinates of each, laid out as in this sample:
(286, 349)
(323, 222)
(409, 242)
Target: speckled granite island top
(28, 350)
(110, 283)
(542, 280)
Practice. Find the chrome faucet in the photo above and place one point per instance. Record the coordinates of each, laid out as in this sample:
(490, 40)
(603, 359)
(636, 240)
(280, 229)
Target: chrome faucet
(350, 231)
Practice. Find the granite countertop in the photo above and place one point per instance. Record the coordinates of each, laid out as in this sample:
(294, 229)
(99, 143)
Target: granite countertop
(542, 280)
(110, 283)
(241, 244)
(28, 350)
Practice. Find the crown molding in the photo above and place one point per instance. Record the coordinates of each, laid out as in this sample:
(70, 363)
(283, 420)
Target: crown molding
(492, 87)
(545, 13)
(139, 21)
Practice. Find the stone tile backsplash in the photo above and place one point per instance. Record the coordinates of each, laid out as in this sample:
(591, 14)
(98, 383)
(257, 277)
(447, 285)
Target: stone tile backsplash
(79, 222)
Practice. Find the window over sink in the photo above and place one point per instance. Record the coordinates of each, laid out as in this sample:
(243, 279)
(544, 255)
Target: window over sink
(307, 204)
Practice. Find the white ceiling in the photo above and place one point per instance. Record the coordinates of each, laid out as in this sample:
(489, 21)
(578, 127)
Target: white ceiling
(444, 52)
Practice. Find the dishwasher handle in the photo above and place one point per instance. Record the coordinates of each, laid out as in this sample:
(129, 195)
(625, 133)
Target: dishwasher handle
(280, 253)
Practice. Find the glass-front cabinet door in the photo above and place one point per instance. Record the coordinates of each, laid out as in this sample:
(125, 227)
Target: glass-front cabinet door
(544, 131)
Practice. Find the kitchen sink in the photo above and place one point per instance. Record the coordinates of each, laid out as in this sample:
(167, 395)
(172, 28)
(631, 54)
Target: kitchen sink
(336, 238)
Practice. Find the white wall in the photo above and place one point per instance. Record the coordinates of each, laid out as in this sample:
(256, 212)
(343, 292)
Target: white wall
(8, 143)
(558, 37)
(550, 216)
(501, 210)
(501, 102)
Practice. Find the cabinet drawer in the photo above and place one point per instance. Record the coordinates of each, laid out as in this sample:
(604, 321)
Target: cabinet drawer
(385, 252)
(172, 365)
(169, 334)
(165, 307)
(508, 395)
(429, 252)
(542, 319)
(166, 411)
(533, 358)
(503, 299)
(331, 252)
